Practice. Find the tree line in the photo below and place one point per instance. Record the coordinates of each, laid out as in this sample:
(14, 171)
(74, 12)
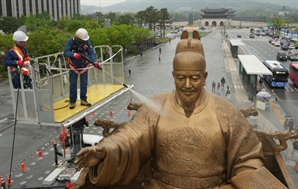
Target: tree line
(47, 36)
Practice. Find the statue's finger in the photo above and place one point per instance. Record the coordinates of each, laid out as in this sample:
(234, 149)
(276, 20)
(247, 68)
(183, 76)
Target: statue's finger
(79, 166)
(82, 152)
(102, 151)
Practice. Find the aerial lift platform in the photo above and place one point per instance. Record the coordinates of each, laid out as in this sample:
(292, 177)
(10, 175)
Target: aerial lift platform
(47, 103)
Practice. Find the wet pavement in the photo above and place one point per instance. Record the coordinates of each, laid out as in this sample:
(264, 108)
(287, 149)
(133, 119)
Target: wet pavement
(149, 77)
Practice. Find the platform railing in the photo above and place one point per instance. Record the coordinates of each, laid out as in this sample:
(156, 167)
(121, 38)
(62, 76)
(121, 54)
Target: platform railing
(50, 83)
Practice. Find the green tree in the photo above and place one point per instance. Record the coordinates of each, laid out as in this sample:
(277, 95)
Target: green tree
(139, 35)
(126, 19)
(31, 22)
(164, 15)
(77, 16)
(73, 25)
(62, 22)
(278, 22)
(6, 42)
(151, 17)
(111, 16)
(9, 24)
(140, 17)
(43, 20)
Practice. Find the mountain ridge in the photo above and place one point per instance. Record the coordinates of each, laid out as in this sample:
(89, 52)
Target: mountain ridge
(138, 5)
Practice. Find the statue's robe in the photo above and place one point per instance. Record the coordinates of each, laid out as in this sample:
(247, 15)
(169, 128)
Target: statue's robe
(203, 151)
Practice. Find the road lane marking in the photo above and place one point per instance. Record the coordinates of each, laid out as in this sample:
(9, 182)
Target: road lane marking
(277, 113)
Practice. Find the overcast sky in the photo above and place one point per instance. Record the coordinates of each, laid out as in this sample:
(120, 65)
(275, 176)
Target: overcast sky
(102, 3)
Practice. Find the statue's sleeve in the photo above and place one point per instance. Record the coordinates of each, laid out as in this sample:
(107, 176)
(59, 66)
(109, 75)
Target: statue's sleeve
(243, 148)
(128, 149)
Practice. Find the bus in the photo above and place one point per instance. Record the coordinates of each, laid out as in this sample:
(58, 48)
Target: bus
(280, 74)
(294, 42)
(294, 73)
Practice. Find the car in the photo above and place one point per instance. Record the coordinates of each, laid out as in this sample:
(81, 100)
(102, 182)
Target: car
(292, 57)
(238, 35)
(251, 35)
(282, 42)
(281, 56)
(263, 33)
(284, 47)
(277, 43)
(270, 40)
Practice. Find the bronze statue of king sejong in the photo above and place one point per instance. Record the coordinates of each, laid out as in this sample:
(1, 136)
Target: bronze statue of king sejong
(196, 140)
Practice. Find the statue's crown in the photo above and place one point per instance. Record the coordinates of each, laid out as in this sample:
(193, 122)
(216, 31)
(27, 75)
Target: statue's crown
(190, 44)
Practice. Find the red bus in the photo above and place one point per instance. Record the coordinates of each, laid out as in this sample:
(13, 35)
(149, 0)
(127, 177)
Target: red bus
(294, 73)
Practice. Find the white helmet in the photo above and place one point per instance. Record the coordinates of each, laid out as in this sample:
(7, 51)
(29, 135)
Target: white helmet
(20, 36)
(82, 34)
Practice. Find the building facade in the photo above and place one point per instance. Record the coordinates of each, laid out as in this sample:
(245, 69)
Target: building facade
(215, 17)
(225, 17)
(56, 8)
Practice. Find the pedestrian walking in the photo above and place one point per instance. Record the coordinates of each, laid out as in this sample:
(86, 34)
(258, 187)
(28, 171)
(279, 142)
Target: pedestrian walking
(141, 53)
(261, 81)
(274, 96)
(286, 124)
(291, 125)
(218, 87)
(129, 71)
(213, 87)
(159, 58)
(223, 81)
(228, 92)
(295, 147)
(159, 50)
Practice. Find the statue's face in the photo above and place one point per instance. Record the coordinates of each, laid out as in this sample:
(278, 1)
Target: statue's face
(189, 75)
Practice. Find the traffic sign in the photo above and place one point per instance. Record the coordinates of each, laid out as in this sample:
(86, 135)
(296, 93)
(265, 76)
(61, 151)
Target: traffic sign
(269, 24)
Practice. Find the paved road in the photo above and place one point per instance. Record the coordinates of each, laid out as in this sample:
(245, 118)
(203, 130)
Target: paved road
(149, 77)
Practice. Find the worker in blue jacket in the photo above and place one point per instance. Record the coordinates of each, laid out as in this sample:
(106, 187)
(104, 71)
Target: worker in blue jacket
(18, 59)
(76, 48)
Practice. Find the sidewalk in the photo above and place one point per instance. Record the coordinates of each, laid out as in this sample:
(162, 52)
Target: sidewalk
(268, 121)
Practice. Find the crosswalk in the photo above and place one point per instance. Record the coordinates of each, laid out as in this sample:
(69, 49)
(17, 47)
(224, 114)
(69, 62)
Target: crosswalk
(289, 88)
(238, 86)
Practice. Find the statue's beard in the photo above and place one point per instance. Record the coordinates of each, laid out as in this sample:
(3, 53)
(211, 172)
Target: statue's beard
(188, 105)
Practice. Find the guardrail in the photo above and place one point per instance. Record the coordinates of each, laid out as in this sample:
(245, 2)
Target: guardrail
(50, 75)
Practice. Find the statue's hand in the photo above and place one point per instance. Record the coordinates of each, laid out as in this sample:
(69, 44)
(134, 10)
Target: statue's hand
(90, 156)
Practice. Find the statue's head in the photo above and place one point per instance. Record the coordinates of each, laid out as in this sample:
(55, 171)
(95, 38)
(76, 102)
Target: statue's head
(189, 70)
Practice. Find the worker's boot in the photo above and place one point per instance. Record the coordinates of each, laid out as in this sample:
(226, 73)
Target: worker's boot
(85, 103)
(72, 105)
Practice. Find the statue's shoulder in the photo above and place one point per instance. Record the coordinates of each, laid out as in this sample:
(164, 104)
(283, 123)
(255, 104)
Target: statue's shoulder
(220, 103)
(227, 114)
(161, 97)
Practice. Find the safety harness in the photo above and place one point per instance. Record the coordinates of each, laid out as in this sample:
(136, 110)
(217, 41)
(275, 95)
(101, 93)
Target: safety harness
(78, 48)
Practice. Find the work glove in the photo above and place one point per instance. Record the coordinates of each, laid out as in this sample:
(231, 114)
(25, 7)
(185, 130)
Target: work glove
(77, 56)
(97, 65)
(20, 63)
